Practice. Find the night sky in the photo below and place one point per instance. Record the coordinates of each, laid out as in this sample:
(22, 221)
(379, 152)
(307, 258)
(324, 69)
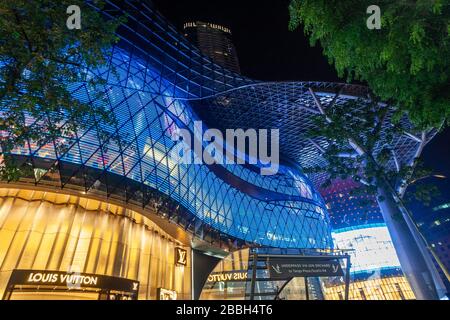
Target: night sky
(267, 50)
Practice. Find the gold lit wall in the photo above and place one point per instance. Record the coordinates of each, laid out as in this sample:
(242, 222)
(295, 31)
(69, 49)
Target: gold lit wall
(385, 288)
(50, 231)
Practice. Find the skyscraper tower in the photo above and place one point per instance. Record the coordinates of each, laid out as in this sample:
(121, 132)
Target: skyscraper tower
(214, 41)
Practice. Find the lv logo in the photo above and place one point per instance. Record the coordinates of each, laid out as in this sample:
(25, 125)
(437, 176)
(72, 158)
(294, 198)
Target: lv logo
(180, 256)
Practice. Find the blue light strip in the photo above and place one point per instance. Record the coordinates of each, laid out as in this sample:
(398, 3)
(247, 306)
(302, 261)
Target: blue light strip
(359, 227)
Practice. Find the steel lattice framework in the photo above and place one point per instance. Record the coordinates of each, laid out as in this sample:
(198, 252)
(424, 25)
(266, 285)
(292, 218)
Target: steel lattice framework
(291, 107)
(163, 83)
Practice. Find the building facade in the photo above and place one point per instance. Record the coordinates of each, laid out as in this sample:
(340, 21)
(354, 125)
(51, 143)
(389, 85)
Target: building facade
(358, 226)
(113, 217)
(433, 221)
(108, 220)
(214, 41)
(49, 232)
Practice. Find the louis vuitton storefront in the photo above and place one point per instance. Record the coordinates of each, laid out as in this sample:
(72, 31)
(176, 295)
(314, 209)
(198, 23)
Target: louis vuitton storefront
(53, 285)
(58, 246)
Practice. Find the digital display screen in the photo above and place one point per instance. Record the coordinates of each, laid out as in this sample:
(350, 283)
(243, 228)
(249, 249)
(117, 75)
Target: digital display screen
(371, 244)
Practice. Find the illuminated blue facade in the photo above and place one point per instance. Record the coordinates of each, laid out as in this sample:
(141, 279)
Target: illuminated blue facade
(163, 83)
(149, 99)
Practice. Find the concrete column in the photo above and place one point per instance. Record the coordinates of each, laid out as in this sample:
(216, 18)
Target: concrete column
(409, 254)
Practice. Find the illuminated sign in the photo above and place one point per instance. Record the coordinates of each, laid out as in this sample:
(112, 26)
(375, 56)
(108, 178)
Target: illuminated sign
(209, 25)
(165, 294)
(58, 278)
(180, 256)
(228, 276)
(72, 280)
(371, 245)
(280, 268)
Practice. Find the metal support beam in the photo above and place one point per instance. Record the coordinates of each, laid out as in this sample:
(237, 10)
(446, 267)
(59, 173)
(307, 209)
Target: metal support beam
(315, 144)
(397, 164)
(253, 282)
(306, 288)
(347, 278)
(360, 151)
(422, 143)
(413, 137)
(319, 104)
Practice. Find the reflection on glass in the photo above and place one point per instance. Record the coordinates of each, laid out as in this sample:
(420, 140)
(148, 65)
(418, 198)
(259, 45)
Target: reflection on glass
(232, 279)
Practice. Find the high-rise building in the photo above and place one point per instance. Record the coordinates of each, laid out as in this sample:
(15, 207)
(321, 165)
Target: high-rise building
(214, 41)
(433, 221)
(435, 226)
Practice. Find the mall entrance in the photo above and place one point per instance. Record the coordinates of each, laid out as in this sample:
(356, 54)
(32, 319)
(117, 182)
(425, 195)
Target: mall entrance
(276, 274)
(54, 285)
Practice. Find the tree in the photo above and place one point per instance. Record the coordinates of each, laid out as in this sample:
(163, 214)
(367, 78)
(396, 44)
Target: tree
(360, 139)
(406, 62)
(40, 59)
